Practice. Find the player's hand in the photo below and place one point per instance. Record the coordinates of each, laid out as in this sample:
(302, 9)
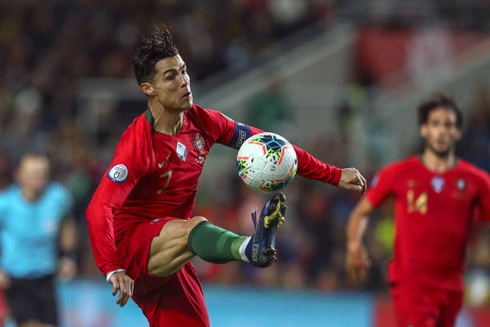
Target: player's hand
(124, 284)
(67, 268)
(4, 280)
(357, 261)
(351, 179)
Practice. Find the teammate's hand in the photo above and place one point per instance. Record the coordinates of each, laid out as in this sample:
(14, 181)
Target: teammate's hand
(351, 179)
(357, 261)
(124, 284)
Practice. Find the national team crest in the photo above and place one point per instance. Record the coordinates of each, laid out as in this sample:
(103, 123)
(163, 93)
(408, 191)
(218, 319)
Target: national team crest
(438, 184)
(198, 143)
(461, 184)
(181, 151)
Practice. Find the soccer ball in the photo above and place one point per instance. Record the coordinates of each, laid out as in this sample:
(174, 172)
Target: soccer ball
(267, 162)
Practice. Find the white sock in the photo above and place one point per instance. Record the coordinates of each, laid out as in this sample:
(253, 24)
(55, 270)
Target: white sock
(242, 248)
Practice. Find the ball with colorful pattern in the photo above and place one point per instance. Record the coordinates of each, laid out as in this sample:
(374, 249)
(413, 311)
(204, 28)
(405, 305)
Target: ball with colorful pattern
(267, 162)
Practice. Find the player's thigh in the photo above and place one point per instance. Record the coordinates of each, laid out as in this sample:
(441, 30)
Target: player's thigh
(169, 251)
(413, 306)
(399, 304)
(451, 310)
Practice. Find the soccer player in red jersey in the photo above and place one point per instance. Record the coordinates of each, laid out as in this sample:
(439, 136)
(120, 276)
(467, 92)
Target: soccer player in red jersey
(139, 220)
(435, 197)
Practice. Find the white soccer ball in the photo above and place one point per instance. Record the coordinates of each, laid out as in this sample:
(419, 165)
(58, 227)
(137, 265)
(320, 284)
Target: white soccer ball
(267, 162)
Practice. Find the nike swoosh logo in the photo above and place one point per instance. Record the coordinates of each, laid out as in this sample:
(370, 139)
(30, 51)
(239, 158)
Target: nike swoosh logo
(160, 165)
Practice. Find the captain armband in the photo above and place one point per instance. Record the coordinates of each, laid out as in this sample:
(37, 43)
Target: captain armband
(242, 132)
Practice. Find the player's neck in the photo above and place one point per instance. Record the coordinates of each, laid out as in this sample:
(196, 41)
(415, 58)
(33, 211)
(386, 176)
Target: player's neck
(165, 121)
(29, 195)
(436, 163)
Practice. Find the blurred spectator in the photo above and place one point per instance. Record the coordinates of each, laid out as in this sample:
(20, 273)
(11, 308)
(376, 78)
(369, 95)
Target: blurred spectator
(270, 109)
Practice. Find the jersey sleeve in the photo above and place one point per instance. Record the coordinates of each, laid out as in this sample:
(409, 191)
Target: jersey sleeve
(484, 199)
(381, 186)
(231, 133)
(126, 168)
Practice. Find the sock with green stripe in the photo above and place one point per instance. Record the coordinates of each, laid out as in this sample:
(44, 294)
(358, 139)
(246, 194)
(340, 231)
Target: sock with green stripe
(217, 245)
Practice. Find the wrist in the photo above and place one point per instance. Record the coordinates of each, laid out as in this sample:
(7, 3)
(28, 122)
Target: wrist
(337, 174)
(69, 254)
(109, 274)
(353, 245)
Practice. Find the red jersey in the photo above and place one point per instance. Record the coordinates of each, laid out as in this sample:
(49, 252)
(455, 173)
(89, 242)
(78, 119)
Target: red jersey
(433, 215)
(153, 175)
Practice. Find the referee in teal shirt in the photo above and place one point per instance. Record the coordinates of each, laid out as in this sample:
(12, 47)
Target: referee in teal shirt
(35, 227)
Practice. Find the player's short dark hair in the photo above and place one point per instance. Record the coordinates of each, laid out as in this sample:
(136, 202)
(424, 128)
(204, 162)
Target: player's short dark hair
(436, 101)
(154, 47)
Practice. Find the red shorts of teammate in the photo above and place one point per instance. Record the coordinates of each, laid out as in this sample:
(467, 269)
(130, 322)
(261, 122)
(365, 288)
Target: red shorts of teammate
(418, 306)
(173, 301)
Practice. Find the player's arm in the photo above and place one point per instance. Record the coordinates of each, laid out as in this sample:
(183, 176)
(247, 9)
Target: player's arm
(67, 266)
(108, 198)
(117, 183)
(357, 262)
(233, 134)
(484, 198)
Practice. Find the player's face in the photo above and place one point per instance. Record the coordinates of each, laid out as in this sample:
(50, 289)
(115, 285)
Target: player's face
(441, 131)
(171, 85)
(33, 173)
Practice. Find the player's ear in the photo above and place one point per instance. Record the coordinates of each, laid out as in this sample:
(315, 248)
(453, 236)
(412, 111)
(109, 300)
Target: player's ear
(459, 134)
(147, 88)
(423, 130)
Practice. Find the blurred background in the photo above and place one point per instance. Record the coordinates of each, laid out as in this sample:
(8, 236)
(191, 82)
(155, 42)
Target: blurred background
(340, 79)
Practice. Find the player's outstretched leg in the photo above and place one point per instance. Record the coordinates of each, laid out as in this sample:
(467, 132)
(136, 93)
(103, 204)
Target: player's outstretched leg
(260, 250)
(214, 244)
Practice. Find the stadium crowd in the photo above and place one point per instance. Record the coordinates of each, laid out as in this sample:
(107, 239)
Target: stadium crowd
(46, 47)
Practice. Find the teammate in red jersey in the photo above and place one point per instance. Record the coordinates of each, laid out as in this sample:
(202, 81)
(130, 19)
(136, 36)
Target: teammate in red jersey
(139, 220)
(435, 197)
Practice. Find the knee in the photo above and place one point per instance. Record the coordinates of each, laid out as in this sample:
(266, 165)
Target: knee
(193, 222)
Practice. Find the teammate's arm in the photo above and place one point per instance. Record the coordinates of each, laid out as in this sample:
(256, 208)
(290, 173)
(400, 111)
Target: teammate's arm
(484, 199)
(357, 262)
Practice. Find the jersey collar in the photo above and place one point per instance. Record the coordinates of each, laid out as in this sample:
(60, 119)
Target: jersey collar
(455, 163)
(151, 120)
(149, 116)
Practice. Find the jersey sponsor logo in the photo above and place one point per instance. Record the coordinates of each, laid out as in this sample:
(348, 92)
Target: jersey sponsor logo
(438, 184)
(118, 173)
(461, 184)
(181, 151)
(198, 143)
